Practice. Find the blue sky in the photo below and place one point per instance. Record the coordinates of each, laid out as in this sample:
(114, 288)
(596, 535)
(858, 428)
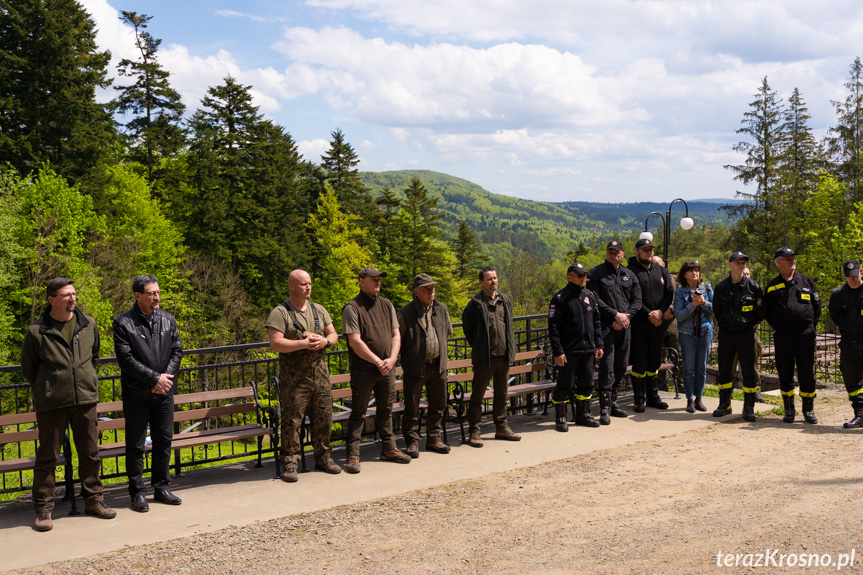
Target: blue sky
(560, 101)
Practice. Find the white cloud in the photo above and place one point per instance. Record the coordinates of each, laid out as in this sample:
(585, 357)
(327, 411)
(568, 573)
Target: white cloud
(253, 17)
(312, 150)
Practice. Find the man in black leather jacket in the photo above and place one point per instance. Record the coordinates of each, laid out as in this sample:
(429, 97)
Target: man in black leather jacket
(148, 349)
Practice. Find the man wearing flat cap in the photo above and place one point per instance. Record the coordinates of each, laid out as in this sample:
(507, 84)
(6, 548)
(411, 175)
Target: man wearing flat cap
(370, 325)
(575, 334)
(648, 325)
(425, 328)
(793, 307)
(619, 298)
(738, 305)
(846, 310)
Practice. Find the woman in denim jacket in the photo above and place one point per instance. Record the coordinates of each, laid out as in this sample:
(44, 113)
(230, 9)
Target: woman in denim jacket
(693, 308)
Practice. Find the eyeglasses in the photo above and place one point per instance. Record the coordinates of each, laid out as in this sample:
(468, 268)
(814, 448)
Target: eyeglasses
(152, 293)
(65, 295)
(691, 262)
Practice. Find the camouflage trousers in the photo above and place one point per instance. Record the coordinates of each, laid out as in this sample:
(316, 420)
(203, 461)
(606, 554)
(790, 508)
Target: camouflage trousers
(297, 397)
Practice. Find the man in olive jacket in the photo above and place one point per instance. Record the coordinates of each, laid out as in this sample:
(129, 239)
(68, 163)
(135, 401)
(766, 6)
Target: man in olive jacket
(148, 348)
(425, 327)
(59, 359)
(487, 324)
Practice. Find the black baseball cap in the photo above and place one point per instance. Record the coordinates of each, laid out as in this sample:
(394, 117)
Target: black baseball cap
(577, 268)
(851, 268)
(784, 251)
(614, 245)
(738, 256)
(643, 243)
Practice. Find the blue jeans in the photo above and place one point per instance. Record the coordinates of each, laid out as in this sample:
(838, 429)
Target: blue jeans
(695, 353)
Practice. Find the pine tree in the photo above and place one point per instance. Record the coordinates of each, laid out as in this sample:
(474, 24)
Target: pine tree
(467, 255)
(340, 163)
(242, 206)
(845, 139)
(155, 108)
(50, 69)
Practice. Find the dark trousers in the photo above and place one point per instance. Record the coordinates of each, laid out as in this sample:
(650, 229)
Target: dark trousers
(645, 354)
(297, 396)
(363, 384)
(741, 345)
(52, 429)
(791, 349)
(158, 413)
(615, 356)
(498, 372)
(435, 384)
(576, 373)
(851, 364)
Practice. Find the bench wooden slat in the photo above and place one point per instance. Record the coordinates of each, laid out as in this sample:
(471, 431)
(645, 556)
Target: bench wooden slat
(207, 412)
(17, 419)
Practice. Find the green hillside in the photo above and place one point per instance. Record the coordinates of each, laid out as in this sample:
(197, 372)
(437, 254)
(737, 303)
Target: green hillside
(546, 229)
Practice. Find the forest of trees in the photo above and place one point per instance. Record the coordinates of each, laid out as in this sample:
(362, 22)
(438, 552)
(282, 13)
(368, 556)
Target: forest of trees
(218, 203)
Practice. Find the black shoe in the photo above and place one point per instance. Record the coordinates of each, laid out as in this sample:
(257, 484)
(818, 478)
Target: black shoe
(139, 503)
(166, 497)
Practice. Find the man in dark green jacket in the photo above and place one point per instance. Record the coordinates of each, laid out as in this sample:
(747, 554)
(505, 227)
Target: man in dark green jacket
(59, 359)
(487, 324)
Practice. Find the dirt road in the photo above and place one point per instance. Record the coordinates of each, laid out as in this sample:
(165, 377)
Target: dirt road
(667, 506)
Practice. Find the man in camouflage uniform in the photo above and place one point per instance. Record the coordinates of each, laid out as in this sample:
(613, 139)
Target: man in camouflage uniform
(301, 332)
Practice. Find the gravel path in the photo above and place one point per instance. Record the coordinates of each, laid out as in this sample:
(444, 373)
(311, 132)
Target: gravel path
(666, 506)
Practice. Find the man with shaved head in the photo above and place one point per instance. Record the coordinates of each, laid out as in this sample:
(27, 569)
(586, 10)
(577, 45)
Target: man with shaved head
(301, 332)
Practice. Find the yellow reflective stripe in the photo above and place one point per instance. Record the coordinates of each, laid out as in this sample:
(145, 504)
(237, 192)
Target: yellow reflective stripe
(639, 375)
(747, 308)
(853, 393)
(803, 394)
(651, 373)
(553, 402)
(582, 397)
(728, 385)
(777, 286)
(750, 390)
(791, 393)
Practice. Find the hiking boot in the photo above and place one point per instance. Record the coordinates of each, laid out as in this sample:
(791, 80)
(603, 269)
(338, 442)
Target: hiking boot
(289, 474)
(328, 467)
(507, 434)
(560, 417)
(788, 403)
(100, 509)
(353, 465)
(395, 456)
(43, 521)
(475, 439)
(437, 446)
(809, 410)
(413, 450)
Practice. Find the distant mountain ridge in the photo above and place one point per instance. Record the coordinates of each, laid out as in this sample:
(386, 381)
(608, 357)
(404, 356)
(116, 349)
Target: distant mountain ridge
(546, 229)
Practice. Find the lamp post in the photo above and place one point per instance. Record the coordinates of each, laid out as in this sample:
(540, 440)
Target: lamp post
(685, 222)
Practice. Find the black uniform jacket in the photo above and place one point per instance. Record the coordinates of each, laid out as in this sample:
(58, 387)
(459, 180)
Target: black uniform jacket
(144, 353)
(793, 305)
(846, 311)
(738, 307)
(657, 289)
(573, 321)
(617, 291)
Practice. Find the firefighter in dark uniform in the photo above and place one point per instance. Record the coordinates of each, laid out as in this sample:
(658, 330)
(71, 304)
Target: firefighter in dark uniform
(301, 332)
(738, 306)
(619, 298)
(846, 310)
(648, 325)
(575, 333)
(793, 307)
